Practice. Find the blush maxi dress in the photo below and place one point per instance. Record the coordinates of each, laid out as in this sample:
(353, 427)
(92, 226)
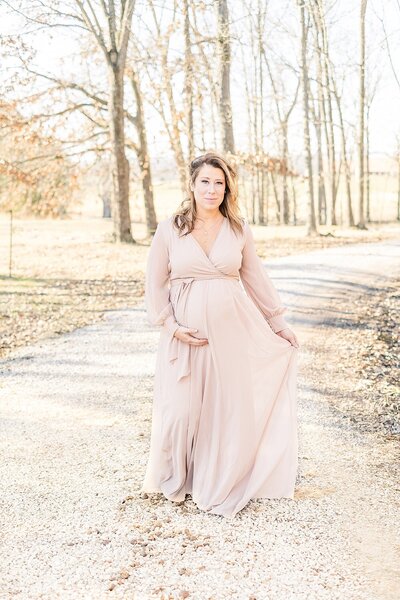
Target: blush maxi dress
(224, 424)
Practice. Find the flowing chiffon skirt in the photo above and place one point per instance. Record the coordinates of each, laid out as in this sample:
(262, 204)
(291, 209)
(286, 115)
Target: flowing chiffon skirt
(224, 423)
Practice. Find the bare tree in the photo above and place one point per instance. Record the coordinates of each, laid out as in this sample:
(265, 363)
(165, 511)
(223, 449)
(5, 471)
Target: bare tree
(369, 98)
(109, 24)
(92, 104)
(156, 61)
(206, 104)
(283, 113)
(142, 152)
(327, 88)
(324, 84)
(398, 178)
(225, 105)
(259, 75)
(361, 133)
(251, 210)
(318, 113)
(113, 39)
(188, 80)
(311, 223)
(345, 157)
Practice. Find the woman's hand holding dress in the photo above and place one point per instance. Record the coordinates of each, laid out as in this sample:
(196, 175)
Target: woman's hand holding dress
(290, 336)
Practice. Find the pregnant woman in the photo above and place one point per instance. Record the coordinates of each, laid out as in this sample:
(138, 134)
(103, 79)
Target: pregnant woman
(224, 426)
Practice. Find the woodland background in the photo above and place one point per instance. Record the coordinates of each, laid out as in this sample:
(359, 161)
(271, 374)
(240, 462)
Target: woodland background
(104, 102)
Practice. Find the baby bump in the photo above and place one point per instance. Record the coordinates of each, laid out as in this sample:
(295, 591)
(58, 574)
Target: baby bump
(202, 304)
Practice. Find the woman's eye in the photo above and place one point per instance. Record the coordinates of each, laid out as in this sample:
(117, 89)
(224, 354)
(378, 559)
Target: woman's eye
(217, 182)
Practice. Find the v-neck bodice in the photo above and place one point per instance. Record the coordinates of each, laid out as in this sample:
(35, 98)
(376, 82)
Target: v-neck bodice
(224, 219)
(188, 259)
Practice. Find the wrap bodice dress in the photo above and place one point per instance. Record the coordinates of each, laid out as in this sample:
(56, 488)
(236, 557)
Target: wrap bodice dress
(224, 426)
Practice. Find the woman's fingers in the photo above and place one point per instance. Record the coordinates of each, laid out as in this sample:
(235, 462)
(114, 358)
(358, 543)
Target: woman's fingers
(197, 342)
(191, 339)
(288, 334)
(185, 334)
(185, 330)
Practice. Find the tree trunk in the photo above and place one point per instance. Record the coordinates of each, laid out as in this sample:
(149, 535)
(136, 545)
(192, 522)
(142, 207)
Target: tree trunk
(366, 175)
(317, 114)
(311, 224)
(171, 117)
(294, 201)
(261, 186)
(188, 82)
(330, 129)
(361, 175)
(265, 195)
(283, 118)
(256, 146)
(346, 161)
(276, 196)
(321, 181)
(173, 127)
(143, 156)
(285, 192)
(398, 186)
(119, 162)
(113, 41)
(251, 141)
(332, 152)
(225, 105)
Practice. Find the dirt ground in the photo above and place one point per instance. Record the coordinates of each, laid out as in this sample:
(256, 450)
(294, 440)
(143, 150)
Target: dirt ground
(364, 389)
(76, 413)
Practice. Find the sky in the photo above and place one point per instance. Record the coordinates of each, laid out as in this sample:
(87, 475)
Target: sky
(55, 47)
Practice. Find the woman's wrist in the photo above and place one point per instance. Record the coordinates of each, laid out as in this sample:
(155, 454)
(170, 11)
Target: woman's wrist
(171, 325)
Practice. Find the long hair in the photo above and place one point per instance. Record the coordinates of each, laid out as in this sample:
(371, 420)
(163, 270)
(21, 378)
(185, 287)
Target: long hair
(185, 216)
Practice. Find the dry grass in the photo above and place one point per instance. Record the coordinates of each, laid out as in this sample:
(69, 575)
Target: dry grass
(65, 274)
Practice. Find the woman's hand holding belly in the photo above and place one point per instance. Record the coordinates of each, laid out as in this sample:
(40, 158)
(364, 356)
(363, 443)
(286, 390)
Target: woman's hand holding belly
(184, 334)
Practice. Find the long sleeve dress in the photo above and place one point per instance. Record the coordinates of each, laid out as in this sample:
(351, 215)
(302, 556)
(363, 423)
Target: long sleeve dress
(224, 425)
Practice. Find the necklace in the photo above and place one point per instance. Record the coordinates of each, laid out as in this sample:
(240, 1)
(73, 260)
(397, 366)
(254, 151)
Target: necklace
(205, 232)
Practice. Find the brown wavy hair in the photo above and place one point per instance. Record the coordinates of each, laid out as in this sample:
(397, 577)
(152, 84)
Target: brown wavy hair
(185, 217)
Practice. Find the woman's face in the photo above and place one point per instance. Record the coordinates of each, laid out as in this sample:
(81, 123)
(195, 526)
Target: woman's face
(209, 188)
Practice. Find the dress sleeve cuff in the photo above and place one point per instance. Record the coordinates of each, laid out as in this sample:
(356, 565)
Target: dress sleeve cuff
(171, 325)
(277, 323)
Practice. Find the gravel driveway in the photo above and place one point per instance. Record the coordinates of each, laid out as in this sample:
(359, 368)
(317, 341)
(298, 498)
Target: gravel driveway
(75, 420)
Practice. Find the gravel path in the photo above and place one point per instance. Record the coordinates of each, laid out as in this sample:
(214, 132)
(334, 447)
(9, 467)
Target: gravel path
(75, 420)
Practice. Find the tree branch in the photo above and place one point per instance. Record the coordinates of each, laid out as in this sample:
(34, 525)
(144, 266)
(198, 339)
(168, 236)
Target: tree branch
(123, 37)
(112, 23)
(92, 27)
